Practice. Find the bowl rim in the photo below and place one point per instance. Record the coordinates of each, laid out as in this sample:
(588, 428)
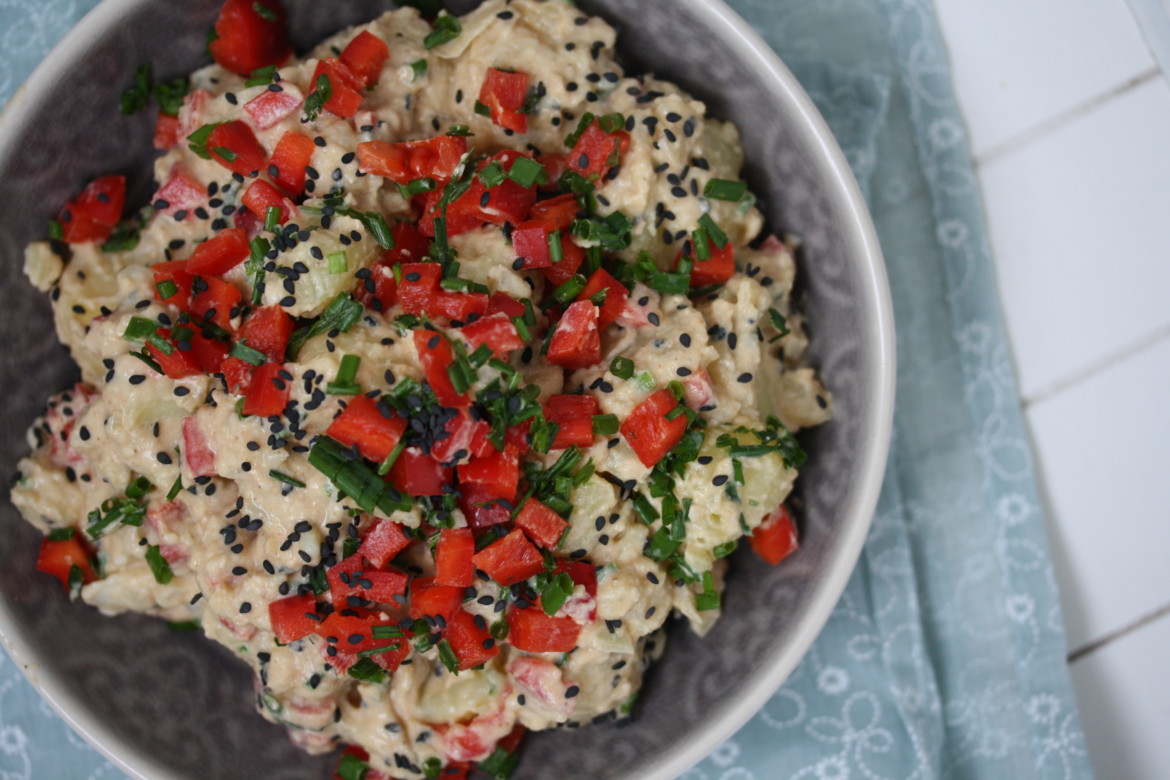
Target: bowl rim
(878, 402)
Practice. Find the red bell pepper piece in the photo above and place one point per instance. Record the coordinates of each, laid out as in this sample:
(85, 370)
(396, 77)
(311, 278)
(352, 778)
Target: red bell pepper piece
(268, 329)
(351, 578)
(269, 108)
(481, 509)
(580, 572)
(577, 340)
(345, 99)
(218, 301)
(174, 271)
(419, 286)
(261, 196)
(382, 541)
(465, 437)
(453, 557)
(418, 474)
(558, 212)
(405, 161)
(572, 258)
(237, 375)
(498, 474)
(234, 146)
(504, 94)
(573, 415)
(293, 153)
(347, 635)
(542, 525)
(649, 432)
(290, 617)
(435, 355)
(364, 56)
(510, 560)
(775, 538)
(472, 643)
(597, 151)
(363, 424)
(168, 131)
(177, 364)
(268, 392)
(616, 296)
(219, 254)
(429, 598)
(378, 291)
(506, 202)
(92, 215)
(197, 452)
(458, 306)
(497, 331)
(502, 303)
(717, 269)
(209, 353)
(250, 35)
(181, 192)
(533, 631)
(59, 558)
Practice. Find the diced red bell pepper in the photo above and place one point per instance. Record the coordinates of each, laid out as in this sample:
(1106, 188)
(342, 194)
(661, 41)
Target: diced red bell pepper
(435, 355)
(504, 203)
(181, 192)
(92, 215)
(555, 165)
(363, 424)
(197, 452)
(504, 94)
(497, 331)
(558, 212)
(418, 474)
(465, 437)
(237, 375)
(347, 635)
(542, 525)
(572, 258)
(174, 271)
(458, 306)
(405, 161)
(351, 578)
(616, 296)
(168, 131)
(290, 617)
(775, 538)
(573, 415)
(345, 99)
(269, 108)
(219, 254)
(216, 302)
(410, 245)
(480, 509)
(453, 557)
(250, 35)
(261, 196)
(577, 340)
(390, 660)
(510, 560)
(596, 151)
(177, 364)
(234, 146)
(580, 572)
(293, 153)
(386, 159)
(462, 216)
(419, 286)
(717, 269)
(497, 473)
(209, 353)
(530, 241)
(649, 432)
(364, 56)
(502, 303)
(429, 598)
(382, 541)
(59, 558)
(472, 644)
(268, 329)
(268, 392)
(378, 291)
(533, 631)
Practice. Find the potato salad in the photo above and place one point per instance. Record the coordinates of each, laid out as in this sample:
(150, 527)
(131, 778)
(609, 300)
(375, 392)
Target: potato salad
(444, 366)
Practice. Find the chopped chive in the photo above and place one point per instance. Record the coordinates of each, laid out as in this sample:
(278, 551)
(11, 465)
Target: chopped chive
(315, 102)
(197, 141)
(56, 231)
(249, 355)
(261, 76)
(717, 236)
(555, 250)
(702, 245)
(621, 367)
(570, 289)
(459, 131)
(605, 424)
(264, 12)
(416, 187)
(582, 124)
(611, 123)
(446, 29)
(158, 565)
(280, 476)
(338, 262)
(482, 109)
(448, 657)
(166, 289)
(526, 172)
(61, 534)
(419, 69)
(386, 465)
(492, 175)
(176, 487)
(139, 329)
(346, 383)
(644, 509)
(367, 671)
(272, 218)
(724, 189)
(670, 283)
(226, 153)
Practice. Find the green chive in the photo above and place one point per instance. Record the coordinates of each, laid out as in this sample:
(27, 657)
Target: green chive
(605, 424)
(61, 534)
(717, 236)
(338, 262)
(621, 367)
(264, 12)
(386, 465)
(56, 231)
(261, 76)
(367, 671)
(280, 476)
(668, 283)
(226, 153)
(611, 123)
(446, 29)
(317, 99)
(448, 657)
(166, 289)
(724, 189)
(158, 565)
(139, 329)
(249, 355)
(555, 250)
(570, 289)
(702, 245)
(419, 69)
(197, 141)
(526, 172)
(176, 486)
(582, 124)
(272, 218)
(352, 768)
(492, 175)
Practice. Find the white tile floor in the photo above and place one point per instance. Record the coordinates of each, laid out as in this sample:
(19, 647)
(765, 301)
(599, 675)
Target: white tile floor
(1069, 107)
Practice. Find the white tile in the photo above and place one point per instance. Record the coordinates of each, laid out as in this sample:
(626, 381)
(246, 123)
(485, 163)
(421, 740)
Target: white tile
(1078, 227)
(1103, 458)
(1125, 707)
(1017, 64)
(1153, 18)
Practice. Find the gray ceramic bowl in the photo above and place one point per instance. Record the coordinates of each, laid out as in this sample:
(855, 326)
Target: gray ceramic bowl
(169, 705)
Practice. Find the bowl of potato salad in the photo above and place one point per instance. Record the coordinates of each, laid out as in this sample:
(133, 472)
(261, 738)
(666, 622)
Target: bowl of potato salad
(432, 391)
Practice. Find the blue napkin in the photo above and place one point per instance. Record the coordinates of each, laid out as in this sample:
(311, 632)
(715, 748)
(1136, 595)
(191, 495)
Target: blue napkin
(945, 656)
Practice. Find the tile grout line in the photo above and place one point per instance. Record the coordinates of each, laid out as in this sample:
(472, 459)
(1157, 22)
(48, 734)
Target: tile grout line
(1097, 644)
(1133, 349)
(1026, 137)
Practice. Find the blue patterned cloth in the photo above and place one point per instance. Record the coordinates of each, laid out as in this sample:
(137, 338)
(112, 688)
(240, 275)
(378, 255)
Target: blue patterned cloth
(945, 656)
